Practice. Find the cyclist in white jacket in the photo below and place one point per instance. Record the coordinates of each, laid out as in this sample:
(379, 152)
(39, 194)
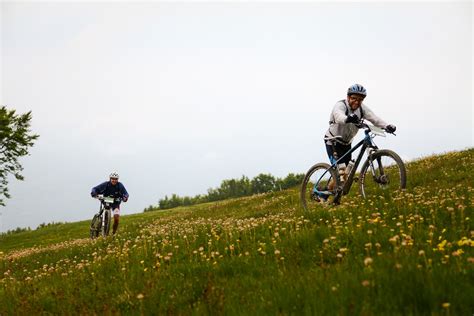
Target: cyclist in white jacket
(342, 129)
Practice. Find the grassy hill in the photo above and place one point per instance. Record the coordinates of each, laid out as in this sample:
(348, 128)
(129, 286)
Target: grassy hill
(411, 254)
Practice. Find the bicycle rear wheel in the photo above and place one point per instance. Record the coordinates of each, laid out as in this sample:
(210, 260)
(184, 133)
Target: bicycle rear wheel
(382, 174)
(95, 226)
(107, 221)
(318, 186)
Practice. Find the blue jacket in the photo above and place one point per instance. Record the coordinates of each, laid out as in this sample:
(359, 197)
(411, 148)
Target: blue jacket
(107, 189)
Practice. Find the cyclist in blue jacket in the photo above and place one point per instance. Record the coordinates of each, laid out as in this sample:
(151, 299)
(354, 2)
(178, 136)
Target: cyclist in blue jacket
(115, 189)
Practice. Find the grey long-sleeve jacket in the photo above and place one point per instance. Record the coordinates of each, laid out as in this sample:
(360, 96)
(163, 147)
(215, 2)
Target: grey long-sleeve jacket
(348, 131)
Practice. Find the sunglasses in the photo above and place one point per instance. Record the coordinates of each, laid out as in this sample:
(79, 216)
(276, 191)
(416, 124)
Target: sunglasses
(360, 99)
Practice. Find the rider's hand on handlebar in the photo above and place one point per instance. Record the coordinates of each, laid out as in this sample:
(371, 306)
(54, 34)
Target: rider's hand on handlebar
(390, 128)
(99, 196)
(352, 118)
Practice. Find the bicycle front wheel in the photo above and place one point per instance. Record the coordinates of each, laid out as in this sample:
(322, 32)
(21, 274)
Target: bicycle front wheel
(95, 226)
(107, 221)
(382, 174)
(318, 186)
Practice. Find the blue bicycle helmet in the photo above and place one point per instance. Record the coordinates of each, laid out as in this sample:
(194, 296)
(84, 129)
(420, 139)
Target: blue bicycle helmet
(357, 89)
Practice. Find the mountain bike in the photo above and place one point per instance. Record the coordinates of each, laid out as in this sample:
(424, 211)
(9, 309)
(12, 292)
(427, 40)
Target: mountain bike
(382, 173)
(100, 224)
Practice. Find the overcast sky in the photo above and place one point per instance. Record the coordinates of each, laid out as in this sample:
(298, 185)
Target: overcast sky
(177, 97)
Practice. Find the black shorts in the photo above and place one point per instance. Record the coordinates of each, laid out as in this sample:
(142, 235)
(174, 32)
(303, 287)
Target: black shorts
(338, 150)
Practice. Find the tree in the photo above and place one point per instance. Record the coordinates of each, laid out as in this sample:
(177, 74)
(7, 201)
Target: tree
(291, 180)
(15, 140)
(263, 183)
(163, 204)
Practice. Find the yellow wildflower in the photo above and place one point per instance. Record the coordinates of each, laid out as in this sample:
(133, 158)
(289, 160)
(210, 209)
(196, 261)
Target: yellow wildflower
(441, 245)
(368, 261)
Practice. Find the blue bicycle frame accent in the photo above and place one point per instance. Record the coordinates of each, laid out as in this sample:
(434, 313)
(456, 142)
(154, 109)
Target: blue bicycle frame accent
(366, 142)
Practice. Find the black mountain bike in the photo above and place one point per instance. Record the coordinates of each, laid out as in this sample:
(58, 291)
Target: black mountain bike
(382, 173)
(100, 224)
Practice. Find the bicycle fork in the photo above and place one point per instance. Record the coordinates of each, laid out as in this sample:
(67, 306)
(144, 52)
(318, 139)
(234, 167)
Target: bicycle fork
(381, 178)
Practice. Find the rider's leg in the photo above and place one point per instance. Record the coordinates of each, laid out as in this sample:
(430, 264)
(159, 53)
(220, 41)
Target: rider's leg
(116, 220)
(336, 150)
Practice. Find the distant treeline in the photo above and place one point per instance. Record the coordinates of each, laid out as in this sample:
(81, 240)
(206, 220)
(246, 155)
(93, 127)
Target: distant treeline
(232, 188)
(16, 231)
(27, 229)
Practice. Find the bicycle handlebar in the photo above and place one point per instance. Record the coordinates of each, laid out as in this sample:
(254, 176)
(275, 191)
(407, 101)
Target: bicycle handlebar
(101, 198)
(362, 125)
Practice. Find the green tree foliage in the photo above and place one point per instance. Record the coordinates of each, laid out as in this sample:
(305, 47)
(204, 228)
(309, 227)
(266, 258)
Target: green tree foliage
(15, 140)
(263, 183)
(290, 181)
(232, 188)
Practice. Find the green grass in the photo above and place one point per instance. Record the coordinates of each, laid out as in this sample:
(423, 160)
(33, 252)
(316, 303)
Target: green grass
(410, 254)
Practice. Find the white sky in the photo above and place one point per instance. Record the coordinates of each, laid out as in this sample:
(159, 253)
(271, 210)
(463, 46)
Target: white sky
(177, 97)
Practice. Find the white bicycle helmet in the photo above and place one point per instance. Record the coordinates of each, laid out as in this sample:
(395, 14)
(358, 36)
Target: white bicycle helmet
(357, 89)
(114, 175)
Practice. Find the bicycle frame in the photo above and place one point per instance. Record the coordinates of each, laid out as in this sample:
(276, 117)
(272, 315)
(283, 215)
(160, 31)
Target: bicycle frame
(365, 143)
(101, 216)
(105, 205)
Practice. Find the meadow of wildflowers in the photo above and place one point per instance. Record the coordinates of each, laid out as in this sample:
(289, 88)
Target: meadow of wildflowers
(411, 253)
